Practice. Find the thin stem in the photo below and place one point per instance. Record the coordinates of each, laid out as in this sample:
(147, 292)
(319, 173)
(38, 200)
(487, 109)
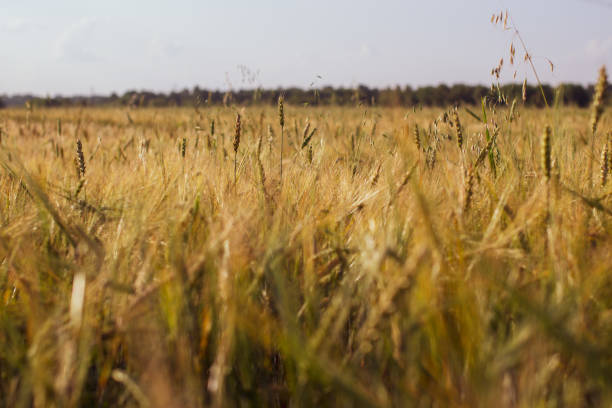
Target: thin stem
(530, 61)
(281, 155)
(591, 162)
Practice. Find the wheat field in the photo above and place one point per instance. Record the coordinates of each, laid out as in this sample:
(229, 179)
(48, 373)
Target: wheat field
(407, 257)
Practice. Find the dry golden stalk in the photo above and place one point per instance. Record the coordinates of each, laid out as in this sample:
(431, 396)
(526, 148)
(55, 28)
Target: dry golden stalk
(469, 189)
(524, 93)
(376, 176)
(305, 131)
(596, 112)
(512, 110)
(270, 138)
(211, 135)
(609, 143)
(183, 147)
(236, 145)
(483, 153)
(258, 156)
(546, 152)
(308, 137)
(79, 187)
(76, 168)
(604, 165)
(260, 167)
(598, 99)
(403, 184)
(281, 117)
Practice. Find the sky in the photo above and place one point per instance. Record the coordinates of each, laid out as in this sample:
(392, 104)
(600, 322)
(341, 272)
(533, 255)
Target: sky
(71, 47)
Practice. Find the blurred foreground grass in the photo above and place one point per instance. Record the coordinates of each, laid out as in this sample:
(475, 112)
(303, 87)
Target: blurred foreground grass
(379, 274)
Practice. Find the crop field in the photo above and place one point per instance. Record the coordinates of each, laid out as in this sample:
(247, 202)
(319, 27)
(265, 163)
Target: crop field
(316, 256)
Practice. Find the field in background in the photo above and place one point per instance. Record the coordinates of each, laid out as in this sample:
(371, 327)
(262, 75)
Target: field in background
(162, 268)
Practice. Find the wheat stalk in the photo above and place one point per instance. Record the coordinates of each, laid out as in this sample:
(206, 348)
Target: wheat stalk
(457, 125)
(212, 131)
(281, 117)
(237, 131)
(469, 189)
(417, 137)
(598, 99)
(80, 159)
(596, 112)
(546, 152)
(260, 167)
(605, 162)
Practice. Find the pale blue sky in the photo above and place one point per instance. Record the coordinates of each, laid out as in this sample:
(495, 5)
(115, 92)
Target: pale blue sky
(80, 46)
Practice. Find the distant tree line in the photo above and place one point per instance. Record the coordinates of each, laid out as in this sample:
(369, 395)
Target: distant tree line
(440, 95)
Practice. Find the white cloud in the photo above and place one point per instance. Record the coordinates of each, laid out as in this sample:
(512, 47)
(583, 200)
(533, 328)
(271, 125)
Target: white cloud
(365, 50)
(164, 48)
(599, 48)
(74, 44)
(19, 25)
